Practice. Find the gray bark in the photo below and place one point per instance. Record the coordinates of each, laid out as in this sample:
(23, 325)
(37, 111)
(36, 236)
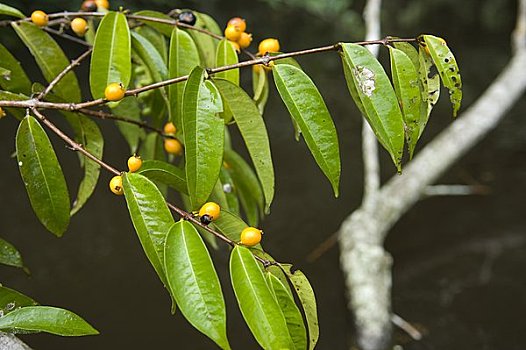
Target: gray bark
(10, 342)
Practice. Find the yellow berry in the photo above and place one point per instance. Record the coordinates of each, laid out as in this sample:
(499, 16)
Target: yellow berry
(40, 18)
(238, 22)
(134, 163)
(250, 236)
(114, 92)
(173, 146)
(209, 211)
(235, 45)
(244, 40)
(105, 4)
(232, 33)
(2, 113)
(170, 129)
(79, 26)
(116, 185)
(268, 45)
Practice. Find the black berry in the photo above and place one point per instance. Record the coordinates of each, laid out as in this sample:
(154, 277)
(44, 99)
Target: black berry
(205, 219)
(187, 17)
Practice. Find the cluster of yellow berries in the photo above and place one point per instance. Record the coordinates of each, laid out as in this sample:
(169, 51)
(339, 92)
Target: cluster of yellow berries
(79, 24)
(171, 145)
(250, 236)
(235, 33)
(134, 164)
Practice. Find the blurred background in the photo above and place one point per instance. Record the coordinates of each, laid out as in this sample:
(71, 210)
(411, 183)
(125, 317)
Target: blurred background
(458, 261)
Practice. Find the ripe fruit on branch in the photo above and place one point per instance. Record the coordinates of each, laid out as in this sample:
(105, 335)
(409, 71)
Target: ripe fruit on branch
(251, 236)
(170, 129)
(209, 211)
(105, 4)
(134, 163)
(173, 146)
(79, 26)
(238, 22)
(39, 18)
(114, 92)
(116, 185)
(232, 33)
(244, 40)
(268, 46)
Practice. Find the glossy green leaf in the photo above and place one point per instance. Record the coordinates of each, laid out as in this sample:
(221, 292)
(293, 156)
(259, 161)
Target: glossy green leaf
(447, 68)
(183, 58)
(10, 11)
(260, 87)
(163, 28)
(203, 136)
(307, 299)
(246, 184)
(309, 111)
(260, 309)
(50, 58)
(111, 57)
(11, 300)
(230, 225)
(9, 255)
(410, 51)
(290, 311)
(194, 283)
(14, 79)
(42, 175)
(150, 216)
(218, 195)
(156, 39)
(254, 133)
(46, 319)
(430, 81)
(229, 190)
(374, 95)
(166, 173)
(18, 113)
(407, 87)
(225, 56)
(205, 43)
(133, 134)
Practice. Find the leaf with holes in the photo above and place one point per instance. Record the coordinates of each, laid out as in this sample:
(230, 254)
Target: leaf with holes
(430, 81)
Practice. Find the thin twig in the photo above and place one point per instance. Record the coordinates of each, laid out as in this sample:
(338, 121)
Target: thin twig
(67, 36)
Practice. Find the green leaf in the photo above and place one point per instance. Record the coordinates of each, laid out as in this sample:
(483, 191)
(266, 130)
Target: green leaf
(11, 299)
(430, 81)
(9, 255)
(410, 51)
(156, 39)
(290, 311)
(163, 28)
(308, 109)
(260, 87)
(168, 174)
(111, 57)
(218, 195)
(229, 190)
(14, 79)
(88, 134)
(183, 58)
(11, 11)
(260, 309)
(408, 90)
(205, 43)
(150, 216)
(246, 185)
(447, 68)
(42, 175)
(46, 319)
(50, 58)
(133, 134)
(194, 283)
(203, 136)
(254, 133)
(18, 113)
(230, 225)
(374, 95)
(307, 299)
(225, 56)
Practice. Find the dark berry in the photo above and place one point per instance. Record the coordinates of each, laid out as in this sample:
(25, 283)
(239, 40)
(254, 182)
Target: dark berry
(187, 17)
(205, 219)
(89, 6)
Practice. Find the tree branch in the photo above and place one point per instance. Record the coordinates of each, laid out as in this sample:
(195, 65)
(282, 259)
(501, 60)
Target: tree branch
(11, 342)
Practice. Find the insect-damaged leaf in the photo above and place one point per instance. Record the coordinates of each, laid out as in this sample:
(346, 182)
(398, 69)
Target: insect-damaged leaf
(430, 81)
(374, 95)
(447, 68)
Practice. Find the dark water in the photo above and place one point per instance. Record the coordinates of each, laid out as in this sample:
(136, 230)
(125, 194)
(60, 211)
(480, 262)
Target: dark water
(459, 262)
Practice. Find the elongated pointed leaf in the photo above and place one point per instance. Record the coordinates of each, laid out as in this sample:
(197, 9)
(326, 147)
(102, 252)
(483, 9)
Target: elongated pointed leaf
(111, 57)
(203, 136)
(308, 109)
(246, 185)
(14, 79)
(9, 255)
(430, 81)
(230, 225)
(290, 311)
(225, 56)
(10, 11)
(50, 59)
(133, 134)
(150, 216)
(260, 309)
(205, 43)
(410, 51)
(42, 175)
(168, 174)
(254, 133)
(156, 39)
(407, 87)
(163, 28)
(11, 300)
(230, 190)
(374, 95)
(260, 87)
(183, 58)
(447, 68)
(194, 283)
(306, 296)
(46, 319)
